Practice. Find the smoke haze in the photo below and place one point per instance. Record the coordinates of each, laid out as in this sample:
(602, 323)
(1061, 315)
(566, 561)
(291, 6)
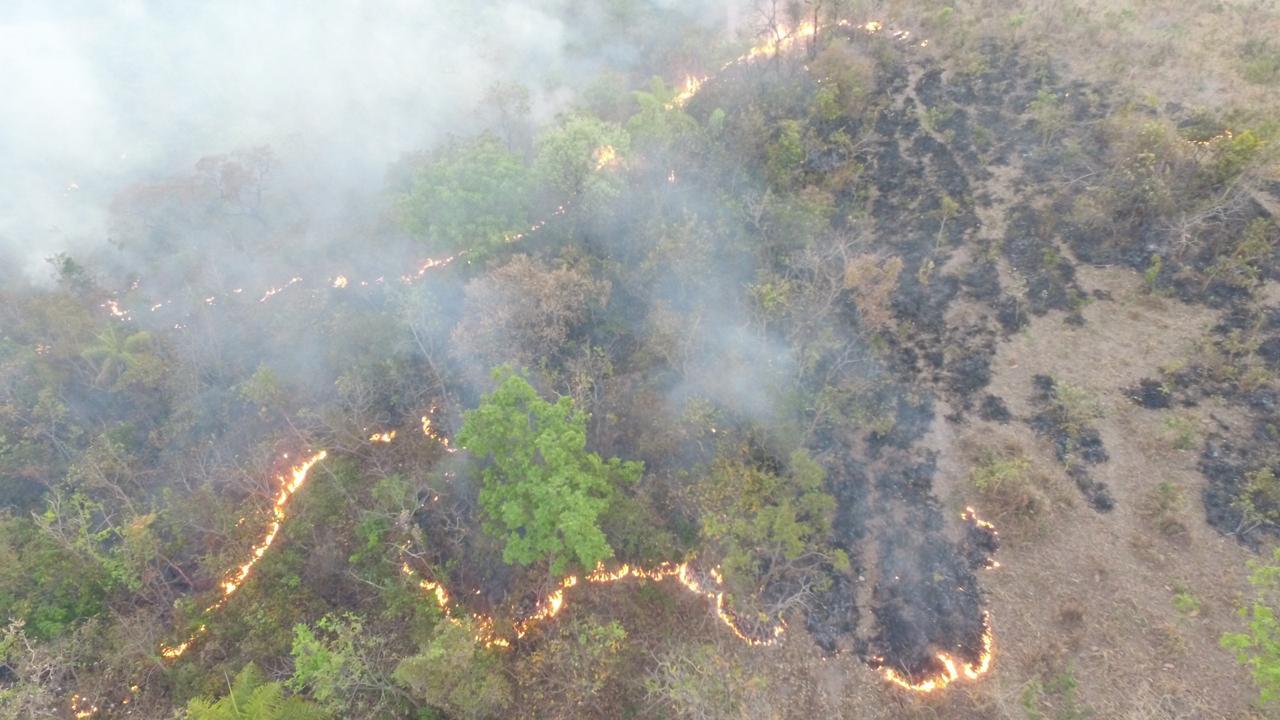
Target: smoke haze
(98, 96)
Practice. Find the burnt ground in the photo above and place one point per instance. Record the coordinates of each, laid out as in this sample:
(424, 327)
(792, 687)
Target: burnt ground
(997, 303)
(1002, 269)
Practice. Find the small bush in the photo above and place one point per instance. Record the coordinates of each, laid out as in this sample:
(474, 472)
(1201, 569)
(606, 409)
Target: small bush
(1164, 507)
(1260, 62)
(1182, 431)
(1076, 408)
(1260, 498)
(1007, 484)
(1185, 602)
(1259, 646)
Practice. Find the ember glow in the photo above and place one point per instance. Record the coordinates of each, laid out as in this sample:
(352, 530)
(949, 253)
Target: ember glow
(113, 307)
(383, 437)
(272, 292)
(971, 516)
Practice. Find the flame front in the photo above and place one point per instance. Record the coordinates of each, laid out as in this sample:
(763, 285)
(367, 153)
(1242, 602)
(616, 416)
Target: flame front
(953, 670)
(690, 88)
(289, 486)
(554, 601)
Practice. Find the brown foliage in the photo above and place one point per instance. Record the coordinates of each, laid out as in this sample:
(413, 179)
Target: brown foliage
(524, 312)
(873, 281)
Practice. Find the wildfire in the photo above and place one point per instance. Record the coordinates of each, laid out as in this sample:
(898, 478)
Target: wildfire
(383, 437)
(953, 670)
(340, 282)
(272, 292)
(426, 265)
(78, 711)
(971, 515)
(112, 306)
(554, 601)
(605, 156)
(289, 486)
(1224, 135)
(430, 432)
(691, 86)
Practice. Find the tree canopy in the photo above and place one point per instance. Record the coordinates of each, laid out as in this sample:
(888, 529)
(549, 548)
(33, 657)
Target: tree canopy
(543, 493)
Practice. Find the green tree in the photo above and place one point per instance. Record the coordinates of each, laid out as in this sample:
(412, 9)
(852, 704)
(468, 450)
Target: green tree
(470, 196)
(768, 526)
(542, 491)
(786, 155)
(120, 358)
(576, 159)
(339, 662)
(251, 697)
(660, 125)
(455, 673)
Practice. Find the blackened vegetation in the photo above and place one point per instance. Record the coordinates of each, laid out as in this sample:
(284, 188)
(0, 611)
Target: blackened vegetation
(1240, 459)
(993, 409)
(1076, 444)
(1150, 394)
(980, 544)
(926, 166)
(832, 618)
(926, 601)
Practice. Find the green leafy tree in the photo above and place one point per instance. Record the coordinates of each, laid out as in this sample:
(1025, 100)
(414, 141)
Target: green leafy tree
(455, 673)
(660, 125)
(45, 583)
(120, 358)
(543, 493)
(339, 662)
(576, 160)
(251, 697)
(768, 526)
(785, 157)
(471, 196)
(1259, 646)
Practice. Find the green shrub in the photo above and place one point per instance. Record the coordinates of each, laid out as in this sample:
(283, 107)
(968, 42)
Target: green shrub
(1185, 602)
(1183, 432)
(1164, 507)
(1007, 486)
(1259, 646)
(1260, 62)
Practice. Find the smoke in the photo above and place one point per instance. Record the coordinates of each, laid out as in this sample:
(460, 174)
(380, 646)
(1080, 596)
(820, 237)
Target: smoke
(97, 96)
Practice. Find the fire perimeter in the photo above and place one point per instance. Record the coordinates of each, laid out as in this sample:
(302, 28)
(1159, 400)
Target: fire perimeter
(605, 157)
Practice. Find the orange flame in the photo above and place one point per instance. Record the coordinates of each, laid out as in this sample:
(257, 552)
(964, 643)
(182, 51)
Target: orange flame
(690, 88)
(297, 478)
(605, 156)
(340, 281)
(272, 292)
(113, 307)
(952, 670)
(383, 437)
(430, 432)
(554, 601)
